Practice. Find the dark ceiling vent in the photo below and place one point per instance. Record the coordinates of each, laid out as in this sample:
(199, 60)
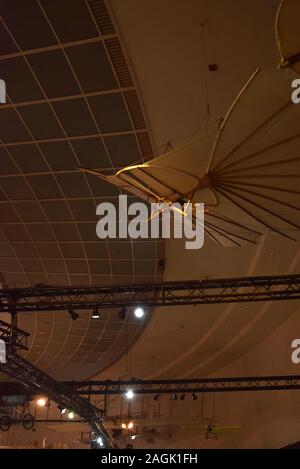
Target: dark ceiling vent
(135, 109)
(145, 145)
(102, 16)
(119, 63)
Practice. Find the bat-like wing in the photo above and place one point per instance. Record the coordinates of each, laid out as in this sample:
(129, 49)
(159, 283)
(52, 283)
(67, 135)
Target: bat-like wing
(255, 160)
(170, 177)
(247, 175)
(287, 34)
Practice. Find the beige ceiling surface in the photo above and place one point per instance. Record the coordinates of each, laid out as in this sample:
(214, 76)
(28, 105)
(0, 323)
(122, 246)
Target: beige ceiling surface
(71, 101)
(164, 40)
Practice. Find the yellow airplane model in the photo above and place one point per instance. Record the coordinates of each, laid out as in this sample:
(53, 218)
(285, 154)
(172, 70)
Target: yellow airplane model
(213, 431)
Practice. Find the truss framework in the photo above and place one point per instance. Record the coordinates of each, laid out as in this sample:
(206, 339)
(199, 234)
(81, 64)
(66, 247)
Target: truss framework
(170, 386)
(231, 384)
(69, 394)
(14, 337)
(234, 290)
(35, 381)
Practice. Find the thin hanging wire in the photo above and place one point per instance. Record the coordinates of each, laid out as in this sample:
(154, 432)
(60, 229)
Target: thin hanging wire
(214, 407)
(206, 84)
(202, 406)
(129, 362)
(204, 53)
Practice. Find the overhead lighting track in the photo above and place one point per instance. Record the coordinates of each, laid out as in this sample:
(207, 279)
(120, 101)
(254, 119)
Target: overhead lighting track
(178, 293)
(159, 387)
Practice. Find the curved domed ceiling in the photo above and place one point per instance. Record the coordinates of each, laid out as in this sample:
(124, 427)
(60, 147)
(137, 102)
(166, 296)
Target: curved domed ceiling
(71, 101)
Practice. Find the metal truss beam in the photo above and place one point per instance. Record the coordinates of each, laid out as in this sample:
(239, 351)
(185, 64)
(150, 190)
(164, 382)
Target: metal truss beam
(234, 290)
(170, 386)
(15, 337)
(36, 381)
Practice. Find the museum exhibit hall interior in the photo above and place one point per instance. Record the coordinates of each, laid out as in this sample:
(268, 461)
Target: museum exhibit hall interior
(149, 224)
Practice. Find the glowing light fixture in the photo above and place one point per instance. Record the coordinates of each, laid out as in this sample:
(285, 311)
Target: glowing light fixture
(95, 313)
(139, 312)
(129, 394)
(41, 402)
(62, 409)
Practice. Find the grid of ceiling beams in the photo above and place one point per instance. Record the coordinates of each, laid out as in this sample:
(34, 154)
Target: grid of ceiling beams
(71, 101)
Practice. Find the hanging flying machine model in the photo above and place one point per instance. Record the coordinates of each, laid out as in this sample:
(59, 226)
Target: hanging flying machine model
(247, 174)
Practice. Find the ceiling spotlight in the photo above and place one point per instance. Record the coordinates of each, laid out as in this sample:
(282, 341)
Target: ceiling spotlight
(73, 315)
(156, 397)
(194, 396)
(71, 415)
(62, 409)
(123, 425)
(174, 397)
(97, 442)
(41, 402)
(182, 397)
(133, 437)
(130, 425)
(139, 312)
(129, 394)
(122, 313)
(95, 313)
